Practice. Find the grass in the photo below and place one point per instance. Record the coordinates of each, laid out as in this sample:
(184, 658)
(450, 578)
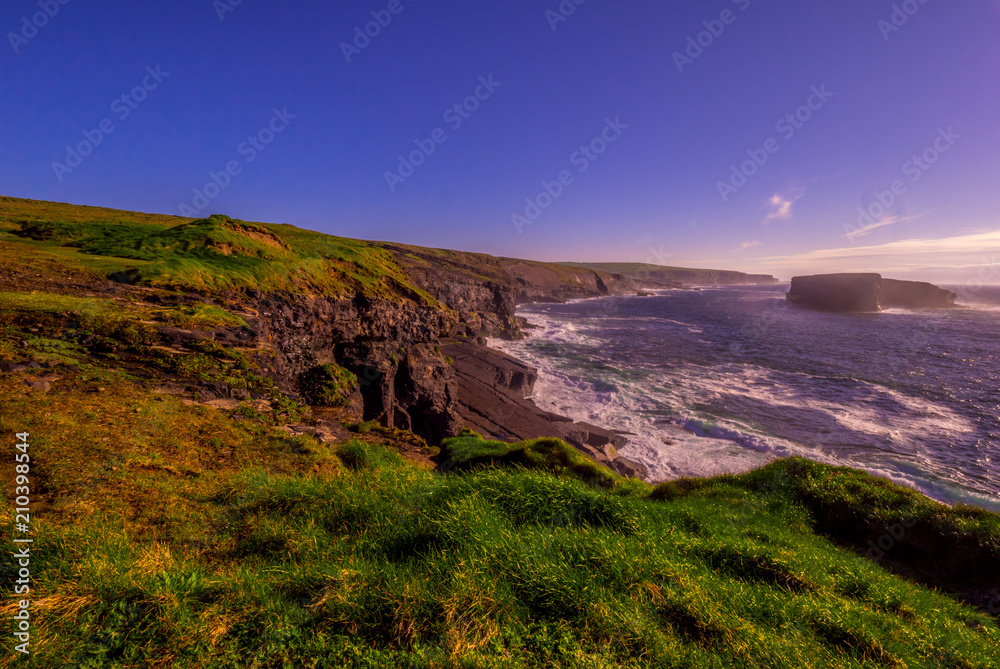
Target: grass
(663, 272)
(355, 558)
(53, 302)
(329, 385)
(470, 451)
(206, 255)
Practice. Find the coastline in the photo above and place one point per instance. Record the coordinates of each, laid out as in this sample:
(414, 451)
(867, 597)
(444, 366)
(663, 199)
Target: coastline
(692, 449)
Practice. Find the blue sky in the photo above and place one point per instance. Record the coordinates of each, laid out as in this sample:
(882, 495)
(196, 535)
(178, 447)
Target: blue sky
(609, 132)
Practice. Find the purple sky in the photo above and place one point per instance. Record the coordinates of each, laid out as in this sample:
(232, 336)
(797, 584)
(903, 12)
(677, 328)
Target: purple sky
(782, 137)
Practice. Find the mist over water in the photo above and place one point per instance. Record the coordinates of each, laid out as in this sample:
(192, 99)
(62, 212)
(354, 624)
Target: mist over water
(722, 380)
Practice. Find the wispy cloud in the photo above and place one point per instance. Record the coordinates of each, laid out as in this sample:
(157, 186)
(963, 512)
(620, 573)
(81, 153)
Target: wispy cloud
(781, 208)
(946, 254)
(748, 245)
(868, 229)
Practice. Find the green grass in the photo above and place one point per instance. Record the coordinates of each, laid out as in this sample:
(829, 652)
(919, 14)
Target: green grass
(207, 255)
(329, 385)
(470, 451)
(199, 316)
(53, 302)
(355, 558)
(682, 274)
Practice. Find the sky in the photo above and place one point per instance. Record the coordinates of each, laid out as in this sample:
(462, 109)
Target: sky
(779, 137)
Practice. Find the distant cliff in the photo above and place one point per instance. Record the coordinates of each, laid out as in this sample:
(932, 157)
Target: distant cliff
(865, 292)
(652, 275)
(914, 294)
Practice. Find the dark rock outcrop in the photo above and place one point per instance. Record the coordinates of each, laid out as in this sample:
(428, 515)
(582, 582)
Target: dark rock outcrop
(492, 391)
(630, 468)
(915, 295)
(541, 282)
(836, 292)
(865, 292)
(493, 399)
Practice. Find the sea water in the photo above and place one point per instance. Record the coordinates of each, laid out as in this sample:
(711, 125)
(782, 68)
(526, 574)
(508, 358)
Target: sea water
(725, 379)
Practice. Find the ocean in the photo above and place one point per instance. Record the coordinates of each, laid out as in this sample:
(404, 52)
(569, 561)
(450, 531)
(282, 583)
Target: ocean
(724, 379)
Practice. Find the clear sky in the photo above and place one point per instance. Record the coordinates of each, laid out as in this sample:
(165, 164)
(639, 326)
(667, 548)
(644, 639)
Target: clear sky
(644, 131)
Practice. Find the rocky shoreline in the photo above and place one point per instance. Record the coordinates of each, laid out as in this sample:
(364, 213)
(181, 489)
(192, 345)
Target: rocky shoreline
(399, 331)
(494, 399)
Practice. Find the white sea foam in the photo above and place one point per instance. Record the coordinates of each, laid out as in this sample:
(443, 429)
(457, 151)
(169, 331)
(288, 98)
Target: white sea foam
(674, 438)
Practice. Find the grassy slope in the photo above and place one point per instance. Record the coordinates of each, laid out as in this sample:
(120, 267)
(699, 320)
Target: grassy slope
(682, 274)
(218, 254)
(205, 255)
(174, 535)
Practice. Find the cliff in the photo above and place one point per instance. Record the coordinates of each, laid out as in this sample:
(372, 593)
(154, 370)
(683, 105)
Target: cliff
(671, 277)
(552, 282)
(397, 330)
(915, 295)
(865, 292)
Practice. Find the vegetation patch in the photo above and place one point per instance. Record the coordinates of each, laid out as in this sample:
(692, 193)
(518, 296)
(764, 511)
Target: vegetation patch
(328, 385)
(207, 255)
(469, 451)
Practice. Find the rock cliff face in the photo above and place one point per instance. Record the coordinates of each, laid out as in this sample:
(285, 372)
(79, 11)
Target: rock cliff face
(476, 286)
(424, 367)
(676, 277)
(836, 292)
(391, 346)
(915, 295)
(865, 292)
(540, 282)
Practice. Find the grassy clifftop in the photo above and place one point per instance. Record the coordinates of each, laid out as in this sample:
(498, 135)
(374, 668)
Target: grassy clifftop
(221, 254)
(207, 255)
(681, 275)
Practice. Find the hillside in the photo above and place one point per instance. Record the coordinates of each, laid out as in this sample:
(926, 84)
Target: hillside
(252, 445)
(672, 276)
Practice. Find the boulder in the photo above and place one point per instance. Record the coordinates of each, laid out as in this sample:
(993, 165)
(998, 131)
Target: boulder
(630, 468)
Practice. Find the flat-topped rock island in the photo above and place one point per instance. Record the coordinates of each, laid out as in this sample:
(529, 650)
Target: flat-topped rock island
(866, 292)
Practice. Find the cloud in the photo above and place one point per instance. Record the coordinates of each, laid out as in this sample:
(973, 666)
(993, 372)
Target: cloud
(780, 208)
(868, 229)
(748, 245)
(957, 256)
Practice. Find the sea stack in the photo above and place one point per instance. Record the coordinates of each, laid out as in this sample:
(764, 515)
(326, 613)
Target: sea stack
(865, 293)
